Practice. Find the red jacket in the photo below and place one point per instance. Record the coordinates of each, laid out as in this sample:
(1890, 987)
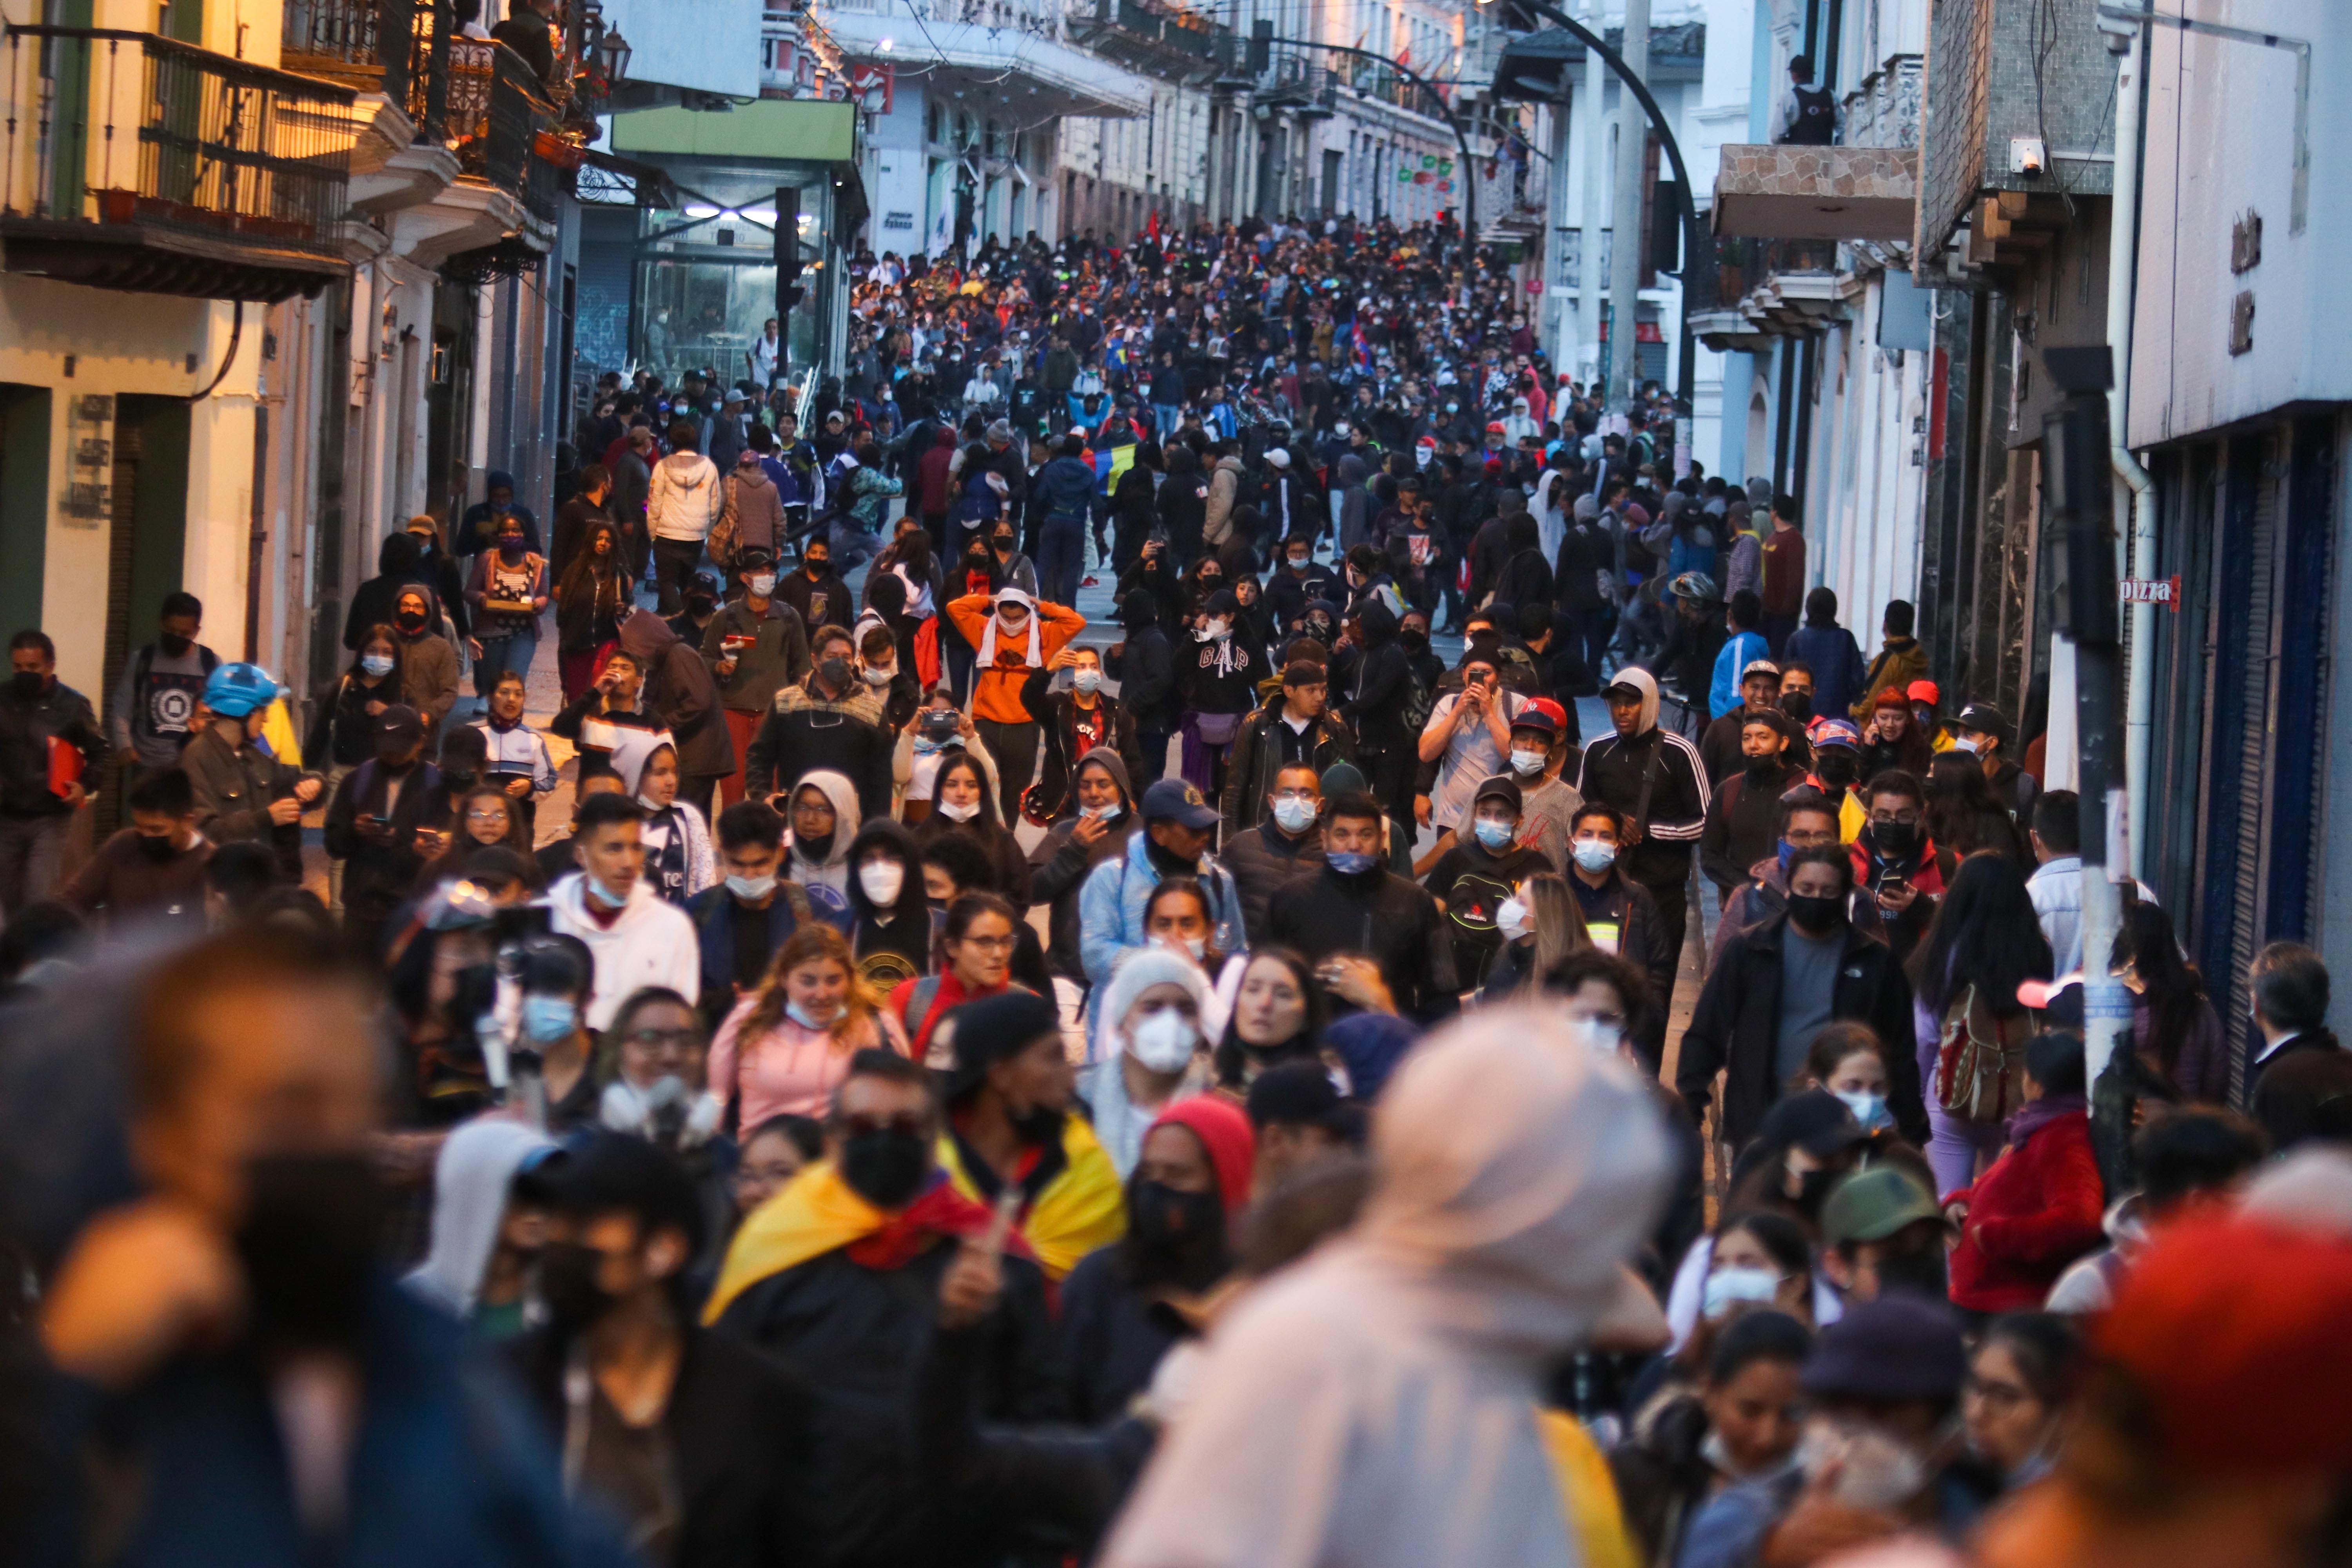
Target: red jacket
(931, 474)
(2033, 1213)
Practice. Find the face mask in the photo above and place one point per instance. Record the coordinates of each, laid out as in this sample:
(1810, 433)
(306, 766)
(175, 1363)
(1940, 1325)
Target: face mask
(1298, 562)
(1352, 862)
(175, 646)
(925, 747)
(955, 813)
(1816, 913)
(1182, 1233)
(1838, 767)
(1087, 680)
(409, 621)
(1797, 705)
(1511, 920)
(1164, 1041)
(1896, 840)
(817, 567)
(1592, 855)
(1868, 1108)
(886, 1166)
(376, 663)
(549, 1019)
(1600, 1037)
(1197, 946)
(1294, 815)
(27, 685)
(751, 889)
(1874, 1470)
(307, 1247)
(157, 848)
(511, 549)
(1039, 1125)
(805, 1018)
(1966, 743)
(834, 671)
(1214, 630)
(569, 1288)
(1495, 836)
(1415, 639)
(1728, 1288)
(1110, 813)
(1527, 764)
(761, 585)
(882, 882)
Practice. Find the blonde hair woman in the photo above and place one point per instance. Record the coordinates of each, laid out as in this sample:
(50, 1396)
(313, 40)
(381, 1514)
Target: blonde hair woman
(786, 1047)
(1542, 926)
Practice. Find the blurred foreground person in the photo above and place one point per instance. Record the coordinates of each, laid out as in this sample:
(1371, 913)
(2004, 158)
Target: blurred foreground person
(1514, 1176)
(235, 1379)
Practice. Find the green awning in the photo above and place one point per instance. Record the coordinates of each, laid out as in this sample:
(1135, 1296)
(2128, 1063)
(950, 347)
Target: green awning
(799, 130)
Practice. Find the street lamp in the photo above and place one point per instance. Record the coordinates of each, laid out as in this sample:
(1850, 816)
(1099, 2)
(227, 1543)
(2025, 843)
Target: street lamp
(613, 54)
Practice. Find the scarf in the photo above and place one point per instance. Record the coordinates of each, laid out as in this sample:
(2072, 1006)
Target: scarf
(1034, 658)
(2032, 1119)
(1081, 1206)
(817, 1212)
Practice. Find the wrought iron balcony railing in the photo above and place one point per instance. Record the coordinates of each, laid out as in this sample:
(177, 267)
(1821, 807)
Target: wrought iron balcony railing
(125, 139)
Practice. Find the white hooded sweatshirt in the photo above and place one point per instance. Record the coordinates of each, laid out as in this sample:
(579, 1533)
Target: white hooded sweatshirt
(1374, 1406)
(685, 497)
(651, 944)
(477, 1165)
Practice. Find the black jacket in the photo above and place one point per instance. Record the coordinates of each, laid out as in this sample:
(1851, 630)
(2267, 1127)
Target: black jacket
(1146, 671)
(1383, 684)
(1263, 861)
(1058, 712)
(1058, 869)
(379, 873)
(26, 727)
(1264, 745)
(2302, 1090)
(802, 730)
(1113, 1336)
(742, 1429)
(1381, 915)
(856, 1335)
(823, 601)
(1737, 1017)
(1743, 823)
(1671, 812)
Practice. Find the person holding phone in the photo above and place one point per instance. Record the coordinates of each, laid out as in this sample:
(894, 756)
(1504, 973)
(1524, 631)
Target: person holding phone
(1895, 860)
(372, 826)
(1468, 736)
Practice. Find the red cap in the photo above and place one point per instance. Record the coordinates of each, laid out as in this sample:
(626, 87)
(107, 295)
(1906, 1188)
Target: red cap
(1923, 691)
(1224, 1130)
(2233, 1329)
(1494, 425)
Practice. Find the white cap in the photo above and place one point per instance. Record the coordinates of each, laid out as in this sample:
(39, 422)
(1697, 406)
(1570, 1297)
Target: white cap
(1012, 595)
(1277, 456)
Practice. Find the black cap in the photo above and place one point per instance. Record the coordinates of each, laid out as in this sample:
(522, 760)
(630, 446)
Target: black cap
(1813, 1120)
(1985, 718)
(400, 724)
(1900, 1347)
(1293, 1094)
(1501, 786)
(497, 863)
(1222, 603)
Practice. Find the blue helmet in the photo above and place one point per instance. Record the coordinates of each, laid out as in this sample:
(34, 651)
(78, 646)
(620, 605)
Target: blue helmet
(236, 691)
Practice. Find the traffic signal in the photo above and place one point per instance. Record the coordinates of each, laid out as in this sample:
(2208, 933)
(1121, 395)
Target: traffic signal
(789, 292)
(1261, 47)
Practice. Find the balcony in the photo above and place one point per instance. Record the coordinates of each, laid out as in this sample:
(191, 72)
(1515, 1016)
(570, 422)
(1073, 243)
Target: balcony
(1768, 288)
(138, 163)
(1163, 40)
(998, 53)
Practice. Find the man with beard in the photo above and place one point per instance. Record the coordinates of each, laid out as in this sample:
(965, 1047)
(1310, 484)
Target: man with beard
(1743, 816)
(1773, 988)
(227, 1337)
(839, 1276)
(695, 1442)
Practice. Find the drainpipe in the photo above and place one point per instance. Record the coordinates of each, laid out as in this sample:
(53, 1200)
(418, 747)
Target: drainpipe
(2135, 490)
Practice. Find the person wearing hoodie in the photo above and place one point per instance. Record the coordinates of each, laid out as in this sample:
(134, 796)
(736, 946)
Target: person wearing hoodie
(681, 697)
(1377, 709)
(1094, 825)
(752, 515)
(1513, 1179)
(1657, 783)
(891, 917)
(438, 570)
(934, 487)
(1900, 661)
(1013, 635)
(371, 601)
(825, 818)
(683, 502)
(1178, 826)
(1829, 650)
(428, 665)
(676, 839)
(755, 646)
(1146, 1063)
(815, 591)
(635, 937)
(1144, 666)
(1354, 503)
(828, 719)
(486, 1236)
(477, 529)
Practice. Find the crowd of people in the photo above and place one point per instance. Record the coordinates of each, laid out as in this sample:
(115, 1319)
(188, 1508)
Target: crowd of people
(882, 1071)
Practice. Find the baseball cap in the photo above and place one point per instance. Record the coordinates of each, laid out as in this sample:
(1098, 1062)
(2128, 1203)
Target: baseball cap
(1493, 426)
(1899, 1347)
(1924, 691)
(1499, 786)
(1759, 667)
(1986, 719)
(1872, 1204)
(1814, 1120)
(1835, 732)
(1173, 800)
(1293, 1094)
(400, 722)
(1539, 713)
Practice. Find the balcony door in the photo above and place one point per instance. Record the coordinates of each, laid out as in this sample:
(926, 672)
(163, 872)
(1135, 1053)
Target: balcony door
(25, 416)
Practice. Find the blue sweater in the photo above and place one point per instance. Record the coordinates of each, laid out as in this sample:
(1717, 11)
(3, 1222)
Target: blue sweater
(1739, 650)
(1837, 665)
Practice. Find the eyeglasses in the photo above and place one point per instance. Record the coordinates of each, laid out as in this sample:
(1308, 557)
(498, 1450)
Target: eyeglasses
(988, 944)
(486, 816)
(665, 1039)
(908, 1123)
(1900, 818)
(1996, 1393)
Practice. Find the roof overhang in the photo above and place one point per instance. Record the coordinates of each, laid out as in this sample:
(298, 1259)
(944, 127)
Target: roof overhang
(1033, 73)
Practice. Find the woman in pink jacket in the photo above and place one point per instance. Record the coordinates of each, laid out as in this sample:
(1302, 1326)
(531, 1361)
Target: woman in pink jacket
(787, 1046)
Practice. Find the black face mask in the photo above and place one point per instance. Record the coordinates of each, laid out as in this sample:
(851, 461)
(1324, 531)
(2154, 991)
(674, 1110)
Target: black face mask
(307, 1246)
(27, 685)
(1179, 1238)
(409, 621)
(568, 1285)
(1413, 641)
(1758, 767)
(1003, 545)
(1838, 766)
(700, 604)
(814, 846)
(1895, 841)
(1813, 1190)
(886, 1166)
(459, 780)
(1039, 1125)
(157, 848)
(1797, 705)
(816, 569)
(175, 646)
(1817, 913)
(834, 671)
(1922, 1271)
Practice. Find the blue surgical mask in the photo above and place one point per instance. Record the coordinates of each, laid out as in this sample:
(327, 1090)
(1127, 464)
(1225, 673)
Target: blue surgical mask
(924, 748)
(1592, 855)
(1495, 834)
(376, 663)
(1869, 1110)
(1788, 853)
(549, 1019)
(800, 1016)
(604, 894)
(1352, 862)
(1087, 680)
(1294, 813)
(751, 889)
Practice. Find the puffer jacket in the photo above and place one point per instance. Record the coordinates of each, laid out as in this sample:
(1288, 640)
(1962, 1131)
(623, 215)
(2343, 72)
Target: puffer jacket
(1111, 901)
(754, 510)
(685, 499)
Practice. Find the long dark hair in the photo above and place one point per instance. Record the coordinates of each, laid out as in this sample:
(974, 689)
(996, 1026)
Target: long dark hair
(1231, 1058)
(582, 569)
(379, 631)
(1962, 815)
(1985, 934)
(2173, 989)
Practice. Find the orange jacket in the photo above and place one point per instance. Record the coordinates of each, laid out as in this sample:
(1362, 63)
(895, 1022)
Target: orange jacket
(996, 689)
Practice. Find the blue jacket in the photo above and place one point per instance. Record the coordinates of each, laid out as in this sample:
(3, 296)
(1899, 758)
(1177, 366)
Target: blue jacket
(1111, 901)
(1839, 671)
(449, 1466)
(1065, 490)
(713, 912)
(1738, 651)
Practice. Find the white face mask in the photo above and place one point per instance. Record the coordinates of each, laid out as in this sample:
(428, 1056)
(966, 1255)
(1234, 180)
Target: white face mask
(1511, 920)
(883, 880)
(1593, 854)
(1527, 764)
(761, 585)
(1727, 1287)
(1087, 680)
(878, 676)
(1964, 743)
(1214, 630)
(1597, 1035)
(1164, 1041)
(1197, 946)
(1102, 813)
(955, 813)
